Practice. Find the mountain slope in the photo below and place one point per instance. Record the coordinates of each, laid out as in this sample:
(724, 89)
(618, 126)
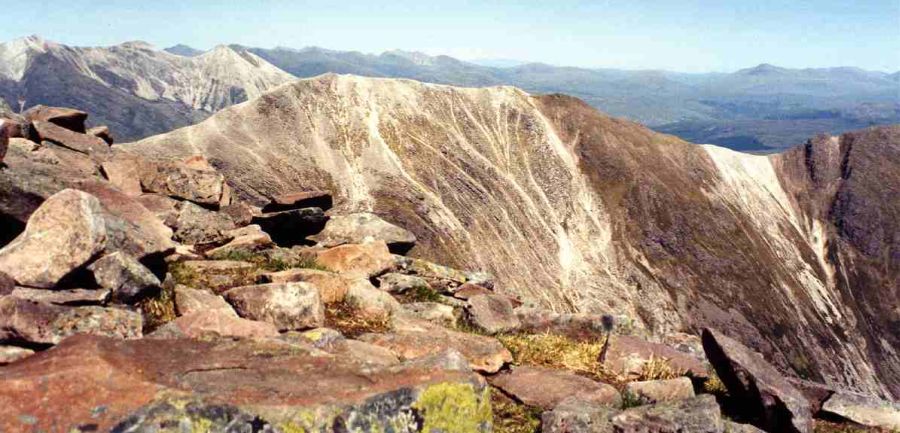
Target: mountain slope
(133, 87)
(578, 211)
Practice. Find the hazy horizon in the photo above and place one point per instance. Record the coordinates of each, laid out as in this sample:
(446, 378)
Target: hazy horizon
(684, 36)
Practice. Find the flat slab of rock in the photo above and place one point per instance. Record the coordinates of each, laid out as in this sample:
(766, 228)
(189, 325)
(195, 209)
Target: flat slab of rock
(214, 322)
(64, 233)
(577, 415)
(492, 313)
(215, 275)
(291, 227)
(288, 306)
(299, 200)
(332, 287)
(226, 385)
(393, 282)
(79, 142)
(361, 227)
(125, 277)
(412, 338)
(68, 118)
(757, 384)
(189, 300)
(655, 391)
(244, 240)
(695, 415)
(545, 388)
(628, 355)
(357, 260)
(23, 321)
(63, 297)
(864, 410)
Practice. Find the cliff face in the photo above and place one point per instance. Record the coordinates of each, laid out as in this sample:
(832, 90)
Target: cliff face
(578, 211)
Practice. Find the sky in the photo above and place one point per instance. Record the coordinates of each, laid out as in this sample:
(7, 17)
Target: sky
(684, 35)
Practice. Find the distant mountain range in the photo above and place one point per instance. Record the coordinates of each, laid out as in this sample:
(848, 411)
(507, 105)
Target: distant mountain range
(146, 91)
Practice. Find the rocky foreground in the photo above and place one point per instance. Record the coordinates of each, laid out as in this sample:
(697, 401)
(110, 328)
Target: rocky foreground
(141, 295)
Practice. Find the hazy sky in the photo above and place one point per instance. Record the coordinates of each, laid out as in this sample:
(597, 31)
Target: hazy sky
(683, 35)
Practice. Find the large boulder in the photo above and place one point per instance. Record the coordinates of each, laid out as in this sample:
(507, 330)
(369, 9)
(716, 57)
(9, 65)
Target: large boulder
(370, 301)
(757, 385)
(189, 300)
(545, 388)
(63, 234)
(492, 313)
(357, 260)
(244, 240)
(24, 321)
(288, 306)
(433, 312)
(199, 183)
(358, 228)
(194, 225)
(214, 322)
(865, 410)
(235, 386)
(332, 287)
(101, 132)
(291, 227)
(412, 338)
(299, 200)
(125, 277)
(68, 118)
(694, 415)
(83, 143)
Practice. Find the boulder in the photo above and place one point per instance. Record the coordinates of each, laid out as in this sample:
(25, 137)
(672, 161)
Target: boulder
(63, 297)
(188, 300)
(357, 260)
(288, 306)
(63, 234)
(628, 355)
(239, 212)
(244, 240)
(332, 287)
(67, 118)
(161, 206)
(413, 338)
(757, 385)
(214, 275)
(194, 225)
(469, 290)
(358, 228)
(178, 179)
(480, 278)
(864, 410)
(10, 354)
(545, 388)
(433, 312)
(29, 322)
(214, 322)
(655, 391)
(370, 301)
(83, 143)
(125, 277)
(398, 283)
(7, 284)
(299, 200)
(101, 132)
(219, 385)
(578, 415)
(492, 313)
(124, 173)
(291, 227)
(694, 415)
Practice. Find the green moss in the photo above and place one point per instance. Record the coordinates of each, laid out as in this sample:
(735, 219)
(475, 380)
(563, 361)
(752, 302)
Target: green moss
(454, 407)
(271, 262)
(419, 294)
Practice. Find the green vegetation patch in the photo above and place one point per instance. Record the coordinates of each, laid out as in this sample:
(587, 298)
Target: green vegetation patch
(559, 352)
(511, 416)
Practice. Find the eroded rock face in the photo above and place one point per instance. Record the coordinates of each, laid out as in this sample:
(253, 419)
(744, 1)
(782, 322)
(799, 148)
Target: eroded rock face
(361, 227)
(288, 306)
(150, 384)
(546, 388)
(83, 143)
(63, 234)
(760, 388)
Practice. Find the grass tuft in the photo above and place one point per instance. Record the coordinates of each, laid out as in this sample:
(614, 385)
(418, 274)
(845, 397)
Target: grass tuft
(268, 263)
(559, 352)
(419, 294)
(346, 317)
(511, 416)
(659, 369)
(158, 310)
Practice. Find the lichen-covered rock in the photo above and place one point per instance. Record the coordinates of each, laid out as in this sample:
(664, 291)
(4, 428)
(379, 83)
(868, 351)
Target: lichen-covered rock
(7, 284)
(393, 282)
(125, 277)
(368, 300)
(288, 306)
(655, 391)
(865, 410)
(362, 227)
(332, 287)
(189, 300)
(63, 296)
(244, 240)
(24, 321)
(695, 415)
(545, 388)
(194, 225)
(357, 260)
(214, 322)
(469, 290)
(578, 415)
(413, 338)
(215, 275)
(757, 385)
(433, 312)
(68, 118)
(221, 385)
(181, 180)
(492, 313)
(64, 233)
(291, 227)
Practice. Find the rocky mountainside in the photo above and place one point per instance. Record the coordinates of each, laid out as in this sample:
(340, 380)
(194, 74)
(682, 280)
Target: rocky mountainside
(792, 254)
(134, 88)
(138, 293)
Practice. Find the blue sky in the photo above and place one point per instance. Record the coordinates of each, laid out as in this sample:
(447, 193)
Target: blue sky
(684, 35)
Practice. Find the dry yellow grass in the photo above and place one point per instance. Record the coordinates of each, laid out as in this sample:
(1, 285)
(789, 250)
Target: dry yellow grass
(555, 351)
(513, 417)
(659, 369)
(345, 317)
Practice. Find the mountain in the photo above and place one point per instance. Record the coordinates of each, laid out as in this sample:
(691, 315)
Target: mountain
(184, 50)
(134, 88)
(793, 253)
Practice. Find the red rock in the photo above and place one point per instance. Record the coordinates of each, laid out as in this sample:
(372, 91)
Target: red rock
(125, 277)
(67, 118)
(10, 354)
(87, 144)
(469, 290)
(124, 174)
(32, 322)
(226, 385)
(332, 287)
(5, 134)
(545, 388)
(357, 260)
(627, 355)
(492, 313)
(63, 297)
(214, 322)
(102, 132)
(288, 306)
(188, 300)
(299, 200)
(362, 227)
